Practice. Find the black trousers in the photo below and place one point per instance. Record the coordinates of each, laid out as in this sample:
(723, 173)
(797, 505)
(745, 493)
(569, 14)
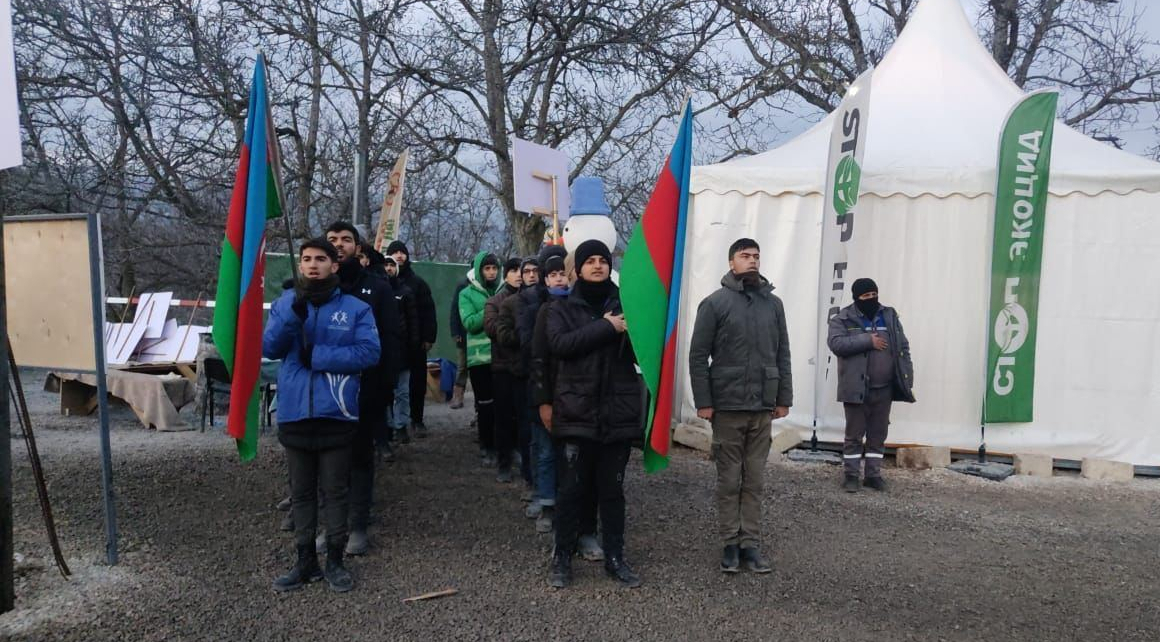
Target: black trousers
(417, 363)
(372, 422)
(523, 413)
(506, 429)
(583, 468)
(484, 404)
(319, 464)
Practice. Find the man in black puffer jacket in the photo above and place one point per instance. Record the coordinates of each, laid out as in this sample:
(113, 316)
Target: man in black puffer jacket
(596, 410)
(428, 331)
(376, 292)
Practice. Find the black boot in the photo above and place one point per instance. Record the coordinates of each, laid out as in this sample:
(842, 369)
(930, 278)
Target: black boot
(754, 560)
(305, 571)
(560, 575)
(877, 483)
(851, 485)
(420, 429)
(615, 566)
(336, 574)
(730, 561)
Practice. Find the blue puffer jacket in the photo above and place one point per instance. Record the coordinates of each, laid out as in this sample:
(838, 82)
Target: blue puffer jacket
(345, 341)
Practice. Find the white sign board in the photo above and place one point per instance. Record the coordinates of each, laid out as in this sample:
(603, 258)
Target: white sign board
(10, 154)
(530, 159)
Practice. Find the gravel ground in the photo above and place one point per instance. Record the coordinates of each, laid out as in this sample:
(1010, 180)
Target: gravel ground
(939, 557)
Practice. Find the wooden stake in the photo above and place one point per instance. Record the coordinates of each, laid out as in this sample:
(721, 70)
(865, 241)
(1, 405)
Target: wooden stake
(189, 326)
(432, 595)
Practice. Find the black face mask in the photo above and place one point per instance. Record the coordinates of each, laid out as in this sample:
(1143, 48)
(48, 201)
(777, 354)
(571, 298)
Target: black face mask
(868, 307)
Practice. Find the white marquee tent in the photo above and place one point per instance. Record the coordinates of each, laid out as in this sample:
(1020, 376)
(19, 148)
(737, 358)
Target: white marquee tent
(923, 232)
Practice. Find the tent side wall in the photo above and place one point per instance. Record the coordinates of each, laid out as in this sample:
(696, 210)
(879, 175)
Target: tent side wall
(1097, 390)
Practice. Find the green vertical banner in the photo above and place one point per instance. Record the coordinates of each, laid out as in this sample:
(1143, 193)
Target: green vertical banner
(1016, 258)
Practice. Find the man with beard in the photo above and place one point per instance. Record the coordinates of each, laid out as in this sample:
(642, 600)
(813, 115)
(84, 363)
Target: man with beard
(377, 380)
(596, 411)
(874, 370)
(483, 282)
(741, 328)
(324, 338)
(416, 360)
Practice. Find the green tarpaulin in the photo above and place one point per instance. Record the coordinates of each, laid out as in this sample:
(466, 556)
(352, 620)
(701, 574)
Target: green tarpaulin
(442, 277)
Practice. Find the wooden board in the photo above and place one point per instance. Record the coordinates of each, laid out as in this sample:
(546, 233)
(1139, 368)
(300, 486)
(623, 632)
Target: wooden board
(47, 278)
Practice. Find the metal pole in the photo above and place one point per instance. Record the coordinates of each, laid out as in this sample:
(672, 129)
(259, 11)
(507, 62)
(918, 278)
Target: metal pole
(97, 286)
(7, 569)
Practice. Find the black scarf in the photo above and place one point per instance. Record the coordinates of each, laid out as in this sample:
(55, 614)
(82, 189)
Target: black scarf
(316, 291)
(750, 280)
(595, 293)
(349, 271)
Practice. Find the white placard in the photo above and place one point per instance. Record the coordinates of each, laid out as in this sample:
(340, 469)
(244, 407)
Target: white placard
(155, 307)
(532, 192)
(10, 153)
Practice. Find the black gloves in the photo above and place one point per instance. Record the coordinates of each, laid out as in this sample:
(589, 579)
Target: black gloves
(299, 307)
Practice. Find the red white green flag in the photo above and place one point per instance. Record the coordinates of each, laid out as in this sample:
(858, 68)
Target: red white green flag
(237, 317)
(650, 289)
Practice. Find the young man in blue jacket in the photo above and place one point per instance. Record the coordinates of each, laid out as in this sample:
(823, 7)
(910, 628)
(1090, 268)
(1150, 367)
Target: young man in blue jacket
(324, 338)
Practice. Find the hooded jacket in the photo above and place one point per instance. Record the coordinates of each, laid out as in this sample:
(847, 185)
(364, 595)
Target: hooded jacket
(424, 302)
(376, 291)
(345, 342)
(472, 301)
(744, 333)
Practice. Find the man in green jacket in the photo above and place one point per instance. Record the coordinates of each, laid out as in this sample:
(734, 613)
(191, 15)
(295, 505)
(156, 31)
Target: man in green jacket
(483, 282)
(741, 329)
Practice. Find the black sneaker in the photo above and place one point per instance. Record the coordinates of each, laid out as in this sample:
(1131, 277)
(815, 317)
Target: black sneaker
(615, 566)
(402, 436)
(387, 452)
(305, 570)
(730, 561)
(420, 430)
(560, 575)
(504, 476)
(851, 485)
(877, 483)
(336, 574)
(754, 560)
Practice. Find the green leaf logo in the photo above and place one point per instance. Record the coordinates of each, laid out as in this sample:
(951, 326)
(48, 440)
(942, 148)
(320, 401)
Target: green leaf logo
(847, 177)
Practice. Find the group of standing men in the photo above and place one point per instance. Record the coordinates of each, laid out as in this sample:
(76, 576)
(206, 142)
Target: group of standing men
(352, 331)
(556, 390)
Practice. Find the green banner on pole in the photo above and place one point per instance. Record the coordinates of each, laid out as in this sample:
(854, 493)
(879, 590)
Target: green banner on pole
(1016, 258)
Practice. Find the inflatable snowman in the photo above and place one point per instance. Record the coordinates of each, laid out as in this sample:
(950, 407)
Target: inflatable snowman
(589, 217)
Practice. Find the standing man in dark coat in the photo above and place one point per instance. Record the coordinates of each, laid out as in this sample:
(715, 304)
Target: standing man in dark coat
(740, 367)
(506, 374)
(874, 370)
(428, 331)
(376, 292)
(596, 411)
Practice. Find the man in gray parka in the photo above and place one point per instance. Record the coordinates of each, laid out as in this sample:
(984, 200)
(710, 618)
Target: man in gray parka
(741, 329)
(874, 370)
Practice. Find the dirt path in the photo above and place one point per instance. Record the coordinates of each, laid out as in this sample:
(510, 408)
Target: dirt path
(940, 557)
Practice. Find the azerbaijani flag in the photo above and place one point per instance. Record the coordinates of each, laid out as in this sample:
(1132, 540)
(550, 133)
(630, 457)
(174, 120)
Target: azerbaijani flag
(650, 288)
(237, 316)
